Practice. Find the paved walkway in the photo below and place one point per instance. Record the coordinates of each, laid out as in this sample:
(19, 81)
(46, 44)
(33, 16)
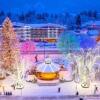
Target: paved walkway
(59, 97)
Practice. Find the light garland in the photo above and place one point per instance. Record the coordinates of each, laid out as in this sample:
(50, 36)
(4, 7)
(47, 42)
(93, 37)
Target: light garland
(9, 47)
(10, 52)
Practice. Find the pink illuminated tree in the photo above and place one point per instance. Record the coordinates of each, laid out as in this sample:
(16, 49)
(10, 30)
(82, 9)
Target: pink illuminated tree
(28, 46)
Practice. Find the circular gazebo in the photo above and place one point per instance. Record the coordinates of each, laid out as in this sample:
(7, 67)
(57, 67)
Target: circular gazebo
(47, 72)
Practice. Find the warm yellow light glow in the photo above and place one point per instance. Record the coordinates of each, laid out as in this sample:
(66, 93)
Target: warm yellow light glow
(47, 76)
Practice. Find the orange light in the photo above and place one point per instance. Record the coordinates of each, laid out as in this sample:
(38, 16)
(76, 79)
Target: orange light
(98, 39)
(47, 76)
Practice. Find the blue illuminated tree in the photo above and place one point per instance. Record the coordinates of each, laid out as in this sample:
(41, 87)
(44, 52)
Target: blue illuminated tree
(68, 42)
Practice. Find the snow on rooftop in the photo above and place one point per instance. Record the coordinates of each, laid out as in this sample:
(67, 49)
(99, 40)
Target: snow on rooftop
(93, 32)
(18, 24)
(91, 23)
(46, 25)
(38, 25)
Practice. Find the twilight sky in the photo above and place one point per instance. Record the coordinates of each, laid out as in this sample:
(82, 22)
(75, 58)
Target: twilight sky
(51, 6)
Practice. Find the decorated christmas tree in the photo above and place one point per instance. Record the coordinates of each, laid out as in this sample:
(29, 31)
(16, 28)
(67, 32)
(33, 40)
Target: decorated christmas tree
(9, 47)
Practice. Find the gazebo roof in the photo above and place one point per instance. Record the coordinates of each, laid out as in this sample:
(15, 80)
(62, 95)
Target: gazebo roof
(48, 66)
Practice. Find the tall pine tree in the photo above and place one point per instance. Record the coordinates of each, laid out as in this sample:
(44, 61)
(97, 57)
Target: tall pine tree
(78, 21)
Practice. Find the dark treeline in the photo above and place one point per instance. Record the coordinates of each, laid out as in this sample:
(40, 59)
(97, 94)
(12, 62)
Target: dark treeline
(65, 18)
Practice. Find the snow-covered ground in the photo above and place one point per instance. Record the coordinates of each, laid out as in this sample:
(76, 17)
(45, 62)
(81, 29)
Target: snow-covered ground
(33, 89)
(68, 88)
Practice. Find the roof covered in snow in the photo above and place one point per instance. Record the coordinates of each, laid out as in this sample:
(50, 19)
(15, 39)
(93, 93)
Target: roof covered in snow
(45, 25)
(97, 23)
(93, 32)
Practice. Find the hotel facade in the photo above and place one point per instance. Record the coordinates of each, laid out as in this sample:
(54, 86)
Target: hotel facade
(37, 32)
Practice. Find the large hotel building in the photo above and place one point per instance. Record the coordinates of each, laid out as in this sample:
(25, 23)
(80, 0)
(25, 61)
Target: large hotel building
(38, 32)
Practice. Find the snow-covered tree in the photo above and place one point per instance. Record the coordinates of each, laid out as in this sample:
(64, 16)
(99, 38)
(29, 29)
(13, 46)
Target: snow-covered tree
(87, 45)
(68, 44)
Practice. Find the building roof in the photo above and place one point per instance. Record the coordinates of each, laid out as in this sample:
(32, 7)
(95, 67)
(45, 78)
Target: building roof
(45, 25)
(97, 23)
(93, 32)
